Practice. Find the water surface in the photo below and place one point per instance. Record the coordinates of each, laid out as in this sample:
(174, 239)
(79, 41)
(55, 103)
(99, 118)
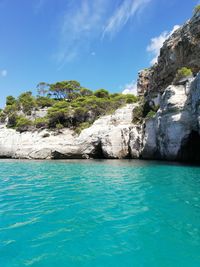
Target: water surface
(99, 214)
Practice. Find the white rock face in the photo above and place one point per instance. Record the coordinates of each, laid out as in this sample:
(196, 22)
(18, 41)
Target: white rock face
(165, 136)
(178, 117)
(111, 132)
(108, 137)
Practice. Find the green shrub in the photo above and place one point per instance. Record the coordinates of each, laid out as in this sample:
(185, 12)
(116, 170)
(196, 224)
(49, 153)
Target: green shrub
(10, 100)
(138, 114)
(59, 126)
(44, 101)
(101, 93)
(23, 124)
(41, 122)
(12, 120)
(2, 117)
(9, 109)
(130, 98)
(183, 73)
(58, 113)
(80, 115)
(151, 114)
(85, 92)
(27, 102)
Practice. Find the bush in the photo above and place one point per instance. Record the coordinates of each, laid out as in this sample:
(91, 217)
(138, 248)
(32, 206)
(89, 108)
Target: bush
(59, 126)
(85, 92)
(12, 120)
(43, 101)
(138, 114)
(27, 102)
(60, 112)
(151, 114)
(197, 9)
(23, 124)
(10, 100)
(101, 93)
(130, 98)
(80, 115)
(2, 117)
(41, 122)
(183, 73)
(9, 109)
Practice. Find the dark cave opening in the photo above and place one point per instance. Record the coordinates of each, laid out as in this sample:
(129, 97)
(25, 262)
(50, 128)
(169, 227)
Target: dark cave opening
(190, 149)
(98, 152)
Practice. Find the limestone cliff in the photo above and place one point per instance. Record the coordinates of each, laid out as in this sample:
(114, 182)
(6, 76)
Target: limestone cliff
(171, 133)
(181, 49)
(108, 137)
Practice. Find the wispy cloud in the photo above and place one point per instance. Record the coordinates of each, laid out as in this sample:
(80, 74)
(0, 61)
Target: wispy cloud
(157, 42)
(3, 73)
(130, 88)
(80, 25)
(124, 12)
(87, 20)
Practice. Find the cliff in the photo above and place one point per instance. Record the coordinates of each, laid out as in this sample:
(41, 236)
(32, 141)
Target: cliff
(168, 115)
(181, 49)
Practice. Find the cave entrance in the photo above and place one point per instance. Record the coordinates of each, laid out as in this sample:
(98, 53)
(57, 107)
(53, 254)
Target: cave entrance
(190, 150)
(98, 152)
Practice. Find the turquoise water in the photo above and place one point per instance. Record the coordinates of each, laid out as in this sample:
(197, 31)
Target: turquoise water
(99, 213)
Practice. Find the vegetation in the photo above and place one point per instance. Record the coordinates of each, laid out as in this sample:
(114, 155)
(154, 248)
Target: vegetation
(67, 103)
(145, 110)
(41, 123)
(151, 114)
(23, 124)
(183, 73)
(197, 9)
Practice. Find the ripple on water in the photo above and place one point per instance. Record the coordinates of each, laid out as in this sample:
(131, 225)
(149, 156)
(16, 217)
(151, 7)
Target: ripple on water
(99, 213)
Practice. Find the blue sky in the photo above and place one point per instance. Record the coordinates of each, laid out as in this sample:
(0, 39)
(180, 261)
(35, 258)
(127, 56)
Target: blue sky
(100, 43)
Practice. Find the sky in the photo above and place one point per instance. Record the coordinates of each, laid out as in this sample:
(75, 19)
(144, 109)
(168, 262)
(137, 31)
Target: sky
(100, 43)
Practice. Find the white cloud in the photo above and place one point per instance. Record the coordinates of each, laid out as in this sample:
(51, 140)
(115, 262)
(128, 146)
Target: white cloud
(124, 12)
(157, 42)
(130, 88)
(3, 73)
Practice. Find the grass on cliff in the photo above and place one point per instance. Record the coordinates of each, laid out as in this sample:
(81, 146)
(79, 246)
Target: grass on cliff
(145, 110)
(182, 73)
(67, 104)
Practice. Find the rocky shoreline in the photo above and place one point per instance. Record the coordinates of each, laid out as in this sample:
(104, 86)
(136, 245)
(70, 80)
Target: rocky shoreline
(172, 133)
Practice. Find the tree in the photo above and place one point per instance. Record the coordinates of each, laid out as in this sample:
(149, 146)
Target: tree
(10, 100)
(85, 92)
(43, 88)
(27, 102)
(101, 93)
(65, 89)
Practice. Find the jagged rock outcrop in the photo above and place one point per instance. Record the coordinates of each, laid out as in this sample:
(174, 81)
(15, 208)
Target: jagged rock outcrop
(174, 133)
(181, 49)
